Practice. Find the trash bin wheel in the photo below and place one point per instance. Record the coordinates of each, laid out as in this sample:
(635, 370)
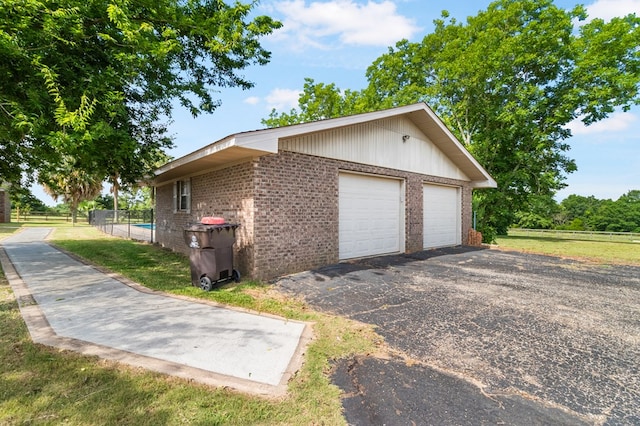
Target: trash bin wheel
(205, 283)
(235, 275)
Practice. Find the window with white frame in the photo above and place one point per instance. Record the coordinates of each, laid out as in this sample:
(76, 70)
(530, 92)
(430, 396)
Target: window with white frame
(182, 196)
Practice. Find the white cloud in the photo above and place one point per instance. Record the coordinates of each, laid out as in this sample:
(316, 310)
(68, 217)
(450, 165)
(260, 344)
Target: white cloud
(282, 99)
(326, 24)
(607, 9)
(617, 122)
(252, 100)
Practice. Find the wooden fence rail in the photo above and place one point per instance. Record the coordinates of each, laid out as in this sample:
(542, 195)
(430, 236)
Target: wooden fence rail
(577, 235)
(45, 216)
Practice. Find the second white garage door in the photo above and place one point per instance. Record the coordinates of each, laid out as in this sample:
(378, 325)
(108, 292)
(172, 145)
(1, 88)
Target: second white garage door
(441, 216)
(370, 215)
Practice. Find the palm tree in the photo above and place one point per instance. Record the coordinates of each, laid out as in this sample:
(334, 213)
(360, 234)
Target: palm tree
(72, 184)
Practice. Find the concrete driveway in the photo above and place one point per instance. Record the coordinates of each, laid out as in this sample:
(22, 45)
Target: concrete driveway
(486, 337)
(74, 306)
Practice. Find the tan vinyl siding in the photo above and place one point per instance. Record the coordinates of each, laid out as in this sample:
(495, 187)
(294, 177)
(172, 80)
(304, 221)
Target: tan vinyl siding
(379, 143)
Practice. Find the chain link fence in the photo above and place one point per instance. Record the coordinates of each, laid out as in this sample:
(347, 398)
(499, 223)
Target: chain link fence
(133, 224)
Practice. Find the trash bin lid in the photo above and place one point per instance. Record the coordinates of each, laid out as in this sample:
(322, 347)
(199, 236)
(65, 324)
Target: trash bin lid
(203, 228)
(212, 220)
(197, 227)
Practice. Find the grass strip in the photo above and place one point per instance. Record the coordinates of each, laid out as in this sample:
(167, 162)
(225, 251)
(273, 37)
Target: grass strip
(606, 252)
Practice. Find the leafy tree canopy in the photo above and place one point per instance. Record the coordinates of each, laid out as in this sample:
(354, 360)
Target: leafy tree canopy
(72, 184)
(591, 214)
(507, 82)
(91, 80)
(580, 213)
(25, 200)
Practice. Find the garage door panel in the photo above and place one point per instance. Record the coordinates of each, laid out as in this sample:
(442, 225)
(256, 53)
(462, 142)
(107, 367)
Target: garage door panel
(441, 207)
(370, 214)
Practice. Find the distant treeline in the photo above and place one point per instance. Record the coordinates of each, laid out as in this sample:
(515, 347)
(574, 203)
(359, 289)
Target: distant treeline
(579, 213)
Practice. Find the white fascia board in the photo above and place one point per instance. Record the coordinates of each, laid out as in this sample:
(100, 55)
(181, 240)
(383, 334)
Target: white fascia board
(218, 146)
(489, 183)
(259, 140)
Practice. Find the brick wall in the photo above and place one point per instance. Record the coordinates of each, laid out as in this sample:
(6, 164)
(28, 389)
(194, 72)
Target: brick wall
(414, 217)
(296, 214)
(296, 210)
(5, 206)
(467, 213)
(169, 225)
(287, 208)
(226, 192)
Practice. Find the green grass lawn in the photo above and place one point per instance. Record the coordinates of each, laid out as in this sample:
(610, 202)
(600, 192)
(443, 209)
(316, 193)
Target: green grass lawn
(615, 252)
(42, 385)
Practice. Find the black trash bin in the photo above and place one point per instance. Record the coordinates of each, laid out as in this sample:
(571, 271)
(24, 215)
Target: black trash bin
(211, 252)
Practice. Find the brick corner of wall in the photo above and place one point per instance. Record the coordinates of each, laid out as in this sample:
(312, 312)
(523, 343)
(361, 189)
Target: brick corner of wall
(474, 238)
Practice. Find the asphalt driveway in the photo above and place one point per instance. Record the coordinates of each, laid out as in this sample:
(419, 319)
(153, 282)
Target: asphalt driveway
(486, 337)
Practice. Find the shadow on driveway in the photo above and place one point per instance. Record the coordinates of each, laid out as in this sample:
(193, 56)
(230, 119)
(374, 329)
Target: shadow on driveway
(486, 337)
(382, 262)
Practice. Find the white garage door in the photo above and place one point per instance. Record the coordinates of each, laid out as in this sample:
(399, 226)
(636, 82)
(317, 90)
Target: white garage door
(442, 209)
(371, 214)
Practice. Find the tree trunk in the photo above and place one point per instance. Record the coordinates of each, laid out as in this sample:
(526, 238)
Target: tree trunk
(114, 189)
(74, 212)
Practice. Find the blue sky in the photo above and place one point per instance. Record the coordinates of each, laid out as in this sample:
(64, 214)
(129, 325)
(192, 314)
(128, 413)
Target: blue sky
(334, 41)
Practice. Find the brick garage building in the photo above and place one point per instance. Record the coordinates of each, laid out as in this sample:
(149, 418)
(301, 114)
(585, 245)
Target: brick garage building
(313, 194)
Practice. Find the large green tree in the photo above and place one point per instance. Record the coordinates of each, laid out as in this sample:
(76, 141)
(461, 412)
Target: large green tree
(72, 184)
(622, 215)
(578, 210)
(319, 101)
(507, 82)
(96, 80)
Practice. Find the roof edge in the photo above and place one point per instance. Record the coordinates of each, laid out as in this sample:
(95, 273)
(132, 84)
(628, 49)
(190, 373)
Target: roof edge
(200, 153)
(445, 129)
(266, 140)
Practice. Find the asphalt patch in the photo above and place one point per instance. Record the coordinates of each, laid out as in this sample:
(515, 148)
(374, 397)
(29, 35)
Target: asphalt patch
(390, 392)
(556, 332)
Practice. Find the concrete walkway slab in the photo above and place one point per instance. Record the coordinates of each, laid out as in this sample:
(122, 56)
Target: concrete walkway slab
(72, 305)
